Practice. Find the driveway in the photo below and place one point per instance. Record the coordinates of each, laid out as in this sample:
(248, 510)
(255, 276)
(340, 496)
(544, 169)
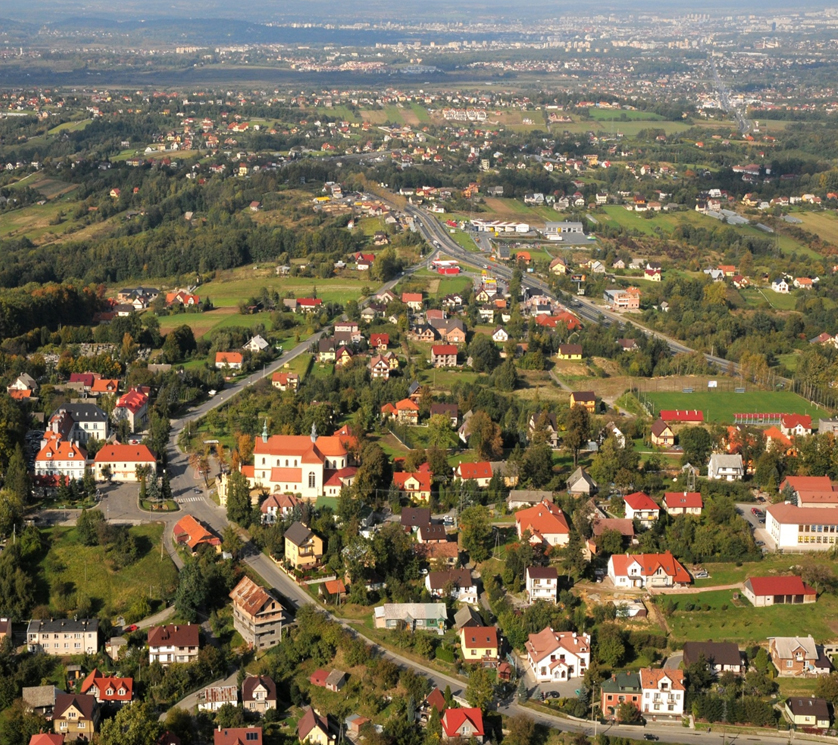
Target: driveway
(758, 528)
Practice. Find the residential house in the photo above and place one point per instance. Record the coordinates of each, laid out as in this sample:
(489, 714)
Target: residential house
(115, 462)
(413, 616)
(801, 528)
(303, 548)
(500, 335)
(480, 472)
(541, 583)
(413, 300)
(256, 344)
(379, 368)
(413, 518)
(444, 355)
(780, 285)
(449, 411)
(257, 615)
(459, 582)
(586, 399)
(191, 533)
(229, 360)
(723, 466)
(173, 643)
(599, 526)
(559, 266)
(719, 656)
(621, 688)
(663, 692)
(811, 491)
(580, 483)
(558, 655)
(277, 507)
(647, 570)
(611, 429)
(63, 636)
(466, 616)
(434, 533)
(527, 498)
(620, 300)
(416, 485)
(479, 643)
(683, 503)
(628, 345)
(807, 712)
(661, 435)
(23, 382)
(212, 698)
(790, 590)
(573, 352)
(285, 381)
(237, 736)
(114, 646)
(379, 341)
(75, 716)
(108, 689)
(46, 738)
(405, 411)
(545, 523)
(640, 506)
(796, 424)
(463, 724)
(797, 655)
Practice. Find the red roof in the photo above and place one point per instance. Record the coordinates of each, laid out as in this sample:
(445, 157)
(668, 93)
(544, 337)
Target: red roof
(650, 564)
(229, 358)
(479, 637)
(640, 501)
(308, 302)
(482, 470)
(318, 678)
(436, 699)
(791, 585)
(377, 340)
(694, 415)
(47, 738)
(791, 421)
(411, 297)
(423, 479)
(238, 736)
(454, 719)
(189, 531)
(687, 499)
(443, 349)
(124, 454)
(174, 635)
(542, 519)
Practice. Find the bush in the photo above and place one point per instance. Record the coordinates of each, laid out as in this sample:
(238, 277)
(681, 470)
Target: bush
(445, 654)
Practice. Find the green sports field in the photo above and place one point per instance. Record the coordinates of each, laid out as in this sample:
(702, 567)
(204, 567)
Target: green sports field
(721, 406)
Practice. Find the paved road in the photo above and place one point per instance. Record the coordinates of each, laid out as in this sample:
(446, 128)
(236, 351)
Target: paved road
(758, 528)
(193, 699)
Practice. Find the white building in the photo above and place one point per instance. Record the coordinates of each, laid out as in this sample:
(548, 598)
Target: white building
(725, 467)
(802, 528)
(555, 656)
(647, 570)
(541, 584)
(663, 692)
(61, 458)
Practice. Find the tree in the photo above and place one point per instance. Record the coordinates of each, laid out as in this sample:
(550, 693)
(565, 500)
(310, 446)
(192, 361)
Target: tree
(87, 526)
(628, 713)
(231, 541)
(485, 436)
(11, 511)
(133, 725)
(578, 426)
(696, 444)
(484, 354)
(480, 689)
(238, 499)
(826, 688)
(193, 587)
(611, 645)
(610, 542)
(476, 533)
(537, 464)
(179, 722)
(17, 476)
(374, 474)
(521, 730)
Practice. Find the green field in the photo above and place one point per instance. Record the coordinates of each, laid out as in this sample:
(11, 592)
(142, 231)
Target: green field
(85, 569)
(606, 115)
(771, 565)
(229, 292)
(823, 224)
(721, 406)
(451, 285)
(70, 127)
(757, 298)
(745, 624)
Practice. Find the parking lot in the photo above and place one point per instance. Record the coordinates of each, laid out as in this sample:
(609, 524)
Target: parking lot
(758, 527)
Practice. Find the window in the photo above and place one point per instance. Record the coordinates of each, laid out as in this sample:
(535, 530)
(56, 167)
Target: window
(311, 480)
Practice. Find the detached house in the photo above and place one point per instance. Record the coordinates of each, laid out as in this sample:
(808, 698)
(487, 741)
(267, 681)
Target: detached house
(558, 655)
(229, 360)
(683, 503)
(459, 581)
(463, 724)
(663, 692)
(257, 615)
(480, 472)
(725, 467)
(413, 616)
(415, 486)
(173, 643)
(444, 355)
(640, 506)
(259, 693)
(303, 548)
(586, 399)
(75, 716)
(545, 523)
(661, 435)
(541, 584)
(647, 570)
(797, 655)
(479, 643)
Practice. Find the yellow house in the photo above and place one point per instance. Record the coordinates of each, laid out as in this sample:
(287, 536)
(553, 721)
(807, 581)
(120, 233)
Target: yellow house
(416, 486)
(75, 716)
(586, 399)
(303, 548)
(314, 729)
(808, 712)
(479, 643)
(570, 352)
(661, 435)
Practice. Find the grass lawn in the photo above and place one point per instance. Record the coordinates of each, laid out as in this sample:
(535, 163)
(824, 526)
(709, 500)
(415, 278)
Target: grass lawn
(721, 406)
(823, 224)
(621, 217)
(797, 686)
(747, 624)
(772, 564)
(229, 291)
(70, 127)
(756, 298)
(605, 115)
(451, 285)
(85, 569)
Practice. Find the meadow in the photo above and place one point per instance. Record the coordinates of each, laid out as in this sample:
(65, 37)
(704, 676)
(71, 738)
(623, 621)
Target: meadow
(720, 406)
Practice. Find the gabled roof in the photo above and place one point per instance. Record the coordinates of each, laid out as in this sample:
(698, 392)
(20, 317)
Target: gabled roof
(541, 573)
(481, 470)
(622, 526)
(800, 707)
(652, 677)
(677, 415)
(124, 454)
(86, 705)
(174, 635)
(238, 736)
(47, 738)
(460, 578)
(250, 597)
(547, 641)
(715, 653)
(252, 682)
(454, 719)
(677, 499)
(640, 501)
(789, 585)
(542, 519)
(660, 427)
(789, 513)
(785, 646)
(436, 699)
(650, 564)
(443, 349)
(298, 534)
(423, 480)
(191, 532)
(479, 637)
(793, 420)
(229, 358)
(415, 516)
